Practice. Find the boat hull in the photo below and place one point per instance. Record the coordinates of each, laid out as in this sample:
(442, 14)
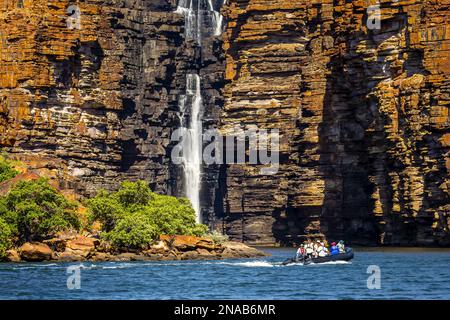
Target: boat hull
(337, 257)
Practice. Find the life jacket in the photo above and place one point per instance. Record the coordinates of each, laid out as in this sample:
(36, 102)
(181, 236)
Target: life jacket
(334, 250)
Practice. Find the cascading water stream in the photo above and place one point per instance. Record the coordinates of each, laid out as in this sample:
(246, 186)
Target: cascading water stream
(201, 20)
(192, 140)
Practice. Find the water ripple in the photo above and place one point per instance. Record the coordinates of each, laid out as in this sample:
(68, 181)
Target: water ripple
(403, 276)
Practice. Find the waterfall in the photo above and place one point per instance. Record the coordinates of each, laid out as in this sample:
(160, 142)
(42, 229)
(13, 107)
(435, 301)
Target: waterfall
(192, 140)
(202, 20)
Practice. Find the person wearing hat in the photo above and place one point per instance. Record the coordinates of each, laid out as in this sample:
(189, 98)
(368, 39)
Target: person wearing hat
(322, 250)
(316, 249)
(334, 249)
(300, 252)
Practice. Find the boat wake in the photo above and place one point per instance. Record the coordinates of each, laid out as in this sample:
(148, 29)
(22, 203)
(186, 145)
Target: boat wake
(250, 264)
(268, 264)
(125, 265)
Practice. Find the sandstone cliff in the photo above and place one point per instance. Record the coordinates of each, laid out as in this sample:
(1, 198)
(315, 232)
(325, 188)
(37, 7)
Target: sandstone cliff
(363, 113)
(94, 104)
(363, 116)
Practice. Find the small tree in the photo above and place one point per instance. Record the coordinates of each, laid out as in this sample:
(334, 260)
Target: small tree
(133, 231)
(133, 194)
(106, 209)
(134, 216)
(37, 211)
(174, 216)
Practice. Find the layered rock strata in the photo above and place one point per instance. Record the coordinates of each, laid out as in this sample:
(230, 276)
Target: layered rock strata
(363, 115)
(92, 100)
(89, 97)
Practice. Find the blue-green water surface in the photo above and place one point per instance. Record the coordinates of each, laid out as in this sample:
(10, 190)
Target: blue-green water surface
(404, 274)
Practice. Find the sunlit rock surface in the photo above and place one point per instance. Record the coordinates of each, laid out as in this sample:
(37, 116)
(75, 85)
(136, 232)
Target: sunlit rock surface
(363, 114)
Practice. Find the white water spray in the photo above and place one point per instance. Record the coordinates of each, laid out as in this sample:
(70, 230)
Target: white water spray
(202, 19)
(192, 141)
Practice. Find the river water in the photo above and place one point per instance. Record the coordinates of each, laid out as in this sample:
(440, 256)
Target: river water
(404, 274)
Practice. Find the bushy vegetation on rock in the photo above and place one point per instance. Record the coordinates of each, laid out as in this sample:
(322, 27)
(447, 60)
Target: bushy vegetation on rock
(7, 170)
(131, 218)
(5, 238)
(217, 237)
(132, 231)
(34, 210)
(134, 216)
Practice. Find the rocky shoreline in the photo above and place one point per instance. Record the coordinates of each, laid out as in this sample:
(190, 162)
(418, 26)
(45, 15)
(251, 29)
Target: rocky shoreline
(76, 247)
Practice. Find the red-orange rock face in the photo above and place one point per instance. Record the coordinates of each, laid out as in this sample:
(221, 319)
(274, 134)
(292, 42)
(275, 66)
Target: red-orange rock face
(88, 100)
(363, 116)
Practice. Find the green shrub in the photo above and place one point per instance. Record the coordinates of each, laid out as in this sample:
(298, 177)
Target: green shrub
(174, 216)
(217, 237)
(133, 194)
(8, 216)
(5, 238)
(133, 231)
(35, 210)
(6, 170)
(134, 205)
(109, 208)
(105, 209)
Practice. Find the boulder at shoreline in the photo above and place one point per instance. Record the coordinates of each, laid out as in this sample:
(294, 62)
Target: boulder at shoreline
(88, 248)
(35, 251)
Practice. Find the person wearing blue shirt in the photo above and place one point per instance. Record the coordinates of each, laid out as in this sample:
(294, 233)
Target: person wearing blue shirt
(334, 249)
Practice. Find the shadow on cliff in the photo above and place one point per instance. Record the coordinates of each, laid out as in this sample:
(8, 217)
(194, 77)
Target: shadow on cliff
(353, 140)
(347, 205)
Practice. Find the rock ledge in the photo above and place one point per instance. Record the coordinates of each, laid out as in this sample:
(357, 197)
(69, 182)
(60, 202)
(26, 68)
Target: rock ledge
(88, 248)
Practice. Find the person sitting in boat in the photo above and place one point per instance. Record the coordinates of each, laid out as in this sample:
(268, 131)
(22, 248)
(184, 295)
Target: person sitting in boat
(316, 248)
(325, 248)
(322, 250)
(334, 249)
(309, 248)
(341, 246)
(300, 252)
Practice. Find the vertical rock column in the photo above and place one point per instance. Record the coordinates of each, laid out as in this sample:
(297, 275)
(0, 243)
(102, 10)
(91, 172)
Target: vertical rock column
(266, 48)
